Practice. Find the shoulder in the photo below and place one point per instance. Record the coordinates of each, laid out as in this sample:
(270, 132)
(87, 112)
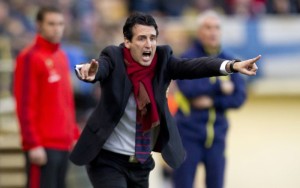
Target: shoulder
(112, 48)
(164, 47)
(28, 58)
(164, 54)
(164, 50)
(29, 54)
(111, 52)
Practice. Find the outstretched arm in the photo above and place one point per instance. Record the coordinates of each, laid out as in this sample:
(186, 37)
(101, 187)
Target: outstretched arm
(96, 70)
(208, 66)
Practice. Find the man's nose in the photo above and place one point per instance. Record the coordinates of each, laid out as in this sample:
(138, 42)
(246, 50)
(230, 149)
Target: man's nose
(148, 43)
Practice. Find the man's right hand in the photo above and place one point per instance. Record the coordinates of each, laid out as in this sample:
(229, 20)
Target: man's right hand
(227, 87)
(88, 71)
(202, 102)
(38, 156)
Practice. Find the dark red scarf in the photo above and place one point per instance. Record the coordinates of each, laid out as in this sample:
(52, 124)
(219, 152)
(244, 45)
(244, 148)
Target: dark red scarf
(141, 78)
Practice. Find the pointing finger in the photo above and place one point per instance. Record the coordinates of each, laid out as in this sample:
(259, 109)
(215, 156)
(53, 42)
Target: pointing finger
(255, 59)
(94, 63)
(93, 68)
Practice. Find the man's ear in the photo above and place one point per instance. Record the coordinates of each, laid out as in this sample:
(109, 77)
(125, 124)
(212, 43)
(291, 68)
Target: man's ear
(127, 43)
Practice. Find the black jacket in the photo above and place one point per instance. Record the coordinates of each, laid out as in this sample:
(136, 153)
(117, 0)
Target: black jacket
(115, 90)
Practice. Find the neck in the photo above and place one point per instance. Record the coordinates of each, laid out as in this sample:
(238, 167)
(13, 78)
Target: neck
(45, 44)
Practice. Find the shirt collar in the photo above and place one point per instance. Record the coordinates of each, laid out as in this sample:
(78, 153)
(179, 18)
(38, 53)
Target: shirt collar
(45, 44)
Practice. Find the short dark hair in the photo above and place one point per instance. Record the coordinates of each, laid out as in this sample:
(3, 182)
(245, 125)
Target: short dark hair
(44, 10)
(138, 18)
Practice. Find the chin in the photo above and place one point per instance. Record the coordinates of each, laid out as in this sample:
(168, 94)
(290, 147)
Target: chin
(55, 40)
(145, 63)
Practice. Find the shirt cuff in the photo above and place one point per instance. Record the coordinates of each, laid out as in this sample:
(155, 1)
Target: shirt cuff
(223, 68)
(77, 70)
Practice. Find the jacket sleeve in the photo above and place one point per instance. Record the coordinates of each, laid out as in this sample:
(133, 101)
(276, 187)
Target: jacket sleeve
(234, 100)
(26, 92)
(191, 68)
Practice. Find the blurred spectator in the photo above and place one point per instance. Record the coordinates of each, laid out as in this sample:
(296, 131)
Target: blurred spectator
(45, 106)
(283, 7)
(17, 33)
(179, 7)
(5, 47)
(89, 19)
(22, 11)
(203, 5)
(84, 13)
(201, 117)
(159, 7)
(83, 16)
(246, 7)
(4, 15)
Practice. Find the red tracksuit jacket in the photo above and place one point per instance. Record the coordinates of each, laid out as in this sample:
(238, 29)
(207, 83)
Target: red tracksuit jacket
(44, 97)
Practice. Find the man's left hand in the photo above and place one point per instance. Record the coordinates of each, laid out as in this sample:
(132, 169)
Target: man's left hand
(247, 67)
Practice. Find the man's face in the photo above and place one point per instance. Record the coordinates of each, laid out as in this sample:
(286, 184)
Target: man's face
(143, 44)
(209, 32)
(52, 27)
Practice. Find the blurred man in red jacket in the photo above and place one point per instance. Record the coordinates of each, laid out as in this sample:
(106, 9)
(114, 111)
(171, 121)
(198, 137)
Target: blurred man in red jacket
(45, 104)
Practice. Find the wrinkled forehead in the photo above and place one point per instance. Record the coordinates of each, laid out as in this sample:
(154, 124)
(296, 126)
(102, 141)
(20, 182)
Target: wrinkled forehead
(143, 30)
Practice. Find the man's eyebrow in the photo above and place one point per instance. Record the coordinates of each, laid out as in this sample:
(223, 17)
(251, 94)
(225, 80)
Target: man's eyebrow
(152, 35)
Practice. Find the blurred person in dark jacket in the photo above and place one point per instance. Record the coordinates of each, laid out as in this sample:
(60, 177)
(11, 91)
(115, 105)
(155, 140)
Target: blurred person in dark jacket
(201, 118)
(45, 104)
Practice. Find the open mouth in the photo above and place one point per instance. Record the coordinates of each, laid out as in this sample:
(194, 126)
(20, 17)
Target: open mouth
(146, 56)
